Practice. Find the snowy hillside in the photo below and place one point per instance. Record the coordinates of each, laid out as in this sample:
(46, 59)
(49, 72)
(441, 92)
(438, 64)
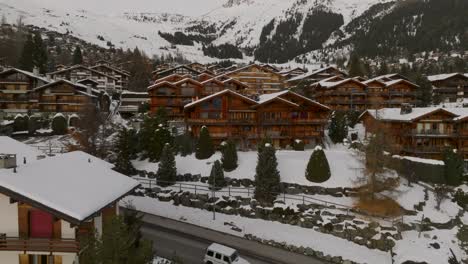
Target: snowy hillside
(254, 26)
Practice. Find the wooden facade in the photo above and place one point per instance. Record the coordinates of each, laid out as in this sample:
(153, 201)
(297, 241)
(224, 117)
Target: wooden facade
(283, 117)
(64, 96)
(259, 79)
(315, 76)
(353, 94)
(180, 70)
(422, 132)
(174, 91)
(121, 76)
(76, 73)
(449, 87)
(15, 88)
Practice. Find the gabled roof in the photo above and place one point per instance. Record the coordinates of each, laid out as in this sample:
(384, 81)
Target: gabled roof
(394, 114)
(174, 75)
(327, 83)
(213, 80)
(391, 83)
(218, 94)
(252, 65)
(229, 80)
(73, 186)
(190, 80)
(87, 80)
(275, 98)
(445, 76)
(29, 74)
(81, 67)
(268, 97)
(309, 74)
(81, 88)
(159, 84)
(111, 68)
(178, 67)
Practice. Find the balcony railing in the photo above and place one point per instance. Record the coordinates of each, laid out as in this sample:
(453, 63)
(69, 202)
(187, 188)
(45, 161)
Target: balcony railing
(433, 132)
(39, 245)
(425, 149)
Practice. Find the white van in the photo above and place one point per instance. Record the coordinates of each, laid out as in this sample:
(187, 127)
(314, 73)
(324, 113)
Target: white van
(219, 254)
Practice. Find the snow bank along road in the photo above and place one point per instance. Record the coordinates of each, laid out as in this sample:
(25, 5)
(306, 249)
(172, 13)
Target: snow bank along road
(190, 242)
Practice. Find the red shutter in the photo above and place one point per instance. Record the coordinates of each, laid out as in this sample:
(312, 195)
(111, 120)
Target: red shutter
(42, 224)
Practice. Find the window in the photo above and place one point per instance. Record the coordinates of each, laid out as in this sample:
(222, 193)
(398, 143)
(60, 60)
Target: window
(217, 103)
(218, 256)
(226, 259)
(210, 253)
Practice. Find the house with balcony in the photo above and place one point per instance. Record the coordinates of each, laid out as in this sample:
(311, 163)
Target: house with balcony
(64, 96)
(340, 94)
(420, 132)
(315, 76)
(131, 101)
(260, 80)
(284, 117)
(121, 76)
(15, 88)
(76, 73)
(388, 92)
(449, 87)
(180, 70)
(47, 204)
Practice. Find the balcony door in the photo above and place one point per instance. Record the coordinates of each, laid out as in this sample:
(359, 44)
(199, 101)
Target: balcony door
(41, 224)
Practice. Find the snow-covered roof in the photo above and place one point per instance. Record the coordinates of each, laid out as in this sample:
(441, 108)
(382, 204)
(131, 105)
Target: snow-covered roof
(76, 85)
(217, 94)
(226, 251)
(394, 114)
(441, 77)
(27, 73)
(329, 83)
(81, 67)
(267, 97)
(11, 146)
(308, 74)
(74, 185)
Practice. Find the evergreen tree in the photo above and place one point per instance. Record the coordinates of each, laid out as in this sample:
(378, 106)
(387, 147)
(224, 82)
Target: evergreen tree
(26, 61)
(375, 163)
(318, 169)
(124, 149)
(355, 66)
(338, 129)
(267, 176)
(453, 167)
(152, 138)
(120, 243)
(184, 144)
(39, 53)
(205, 147)
(424, 95)
(216, 179)
(167, 171)
(229, 156)
(59, 125)
(77, 56)
(383, 68)
(140, 71)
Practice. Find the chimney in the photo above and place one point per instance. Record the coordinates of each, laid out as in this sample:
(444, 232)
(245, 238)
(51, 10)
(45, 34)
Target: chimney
(7, 161)
(36, 71)
(406, 109)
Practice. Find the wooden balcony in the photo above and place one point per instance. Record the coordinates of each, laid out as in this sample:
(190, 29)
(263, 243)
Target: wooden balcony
(425, 149)
(202, 121)
(39, 245)
(432, 133)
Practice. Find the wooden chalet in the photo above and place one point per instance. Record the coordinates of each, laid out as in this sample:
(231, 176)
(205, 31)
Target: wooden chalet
(130, 102)
(420, 132)
(259, 79)
(48, 205)
(317, 75)
(340, 94)
(121, 76)
(76, 73)
(65, 96)
(449, 87)
(15, 88)
(284, 117)
(180, 70)
(383, 92)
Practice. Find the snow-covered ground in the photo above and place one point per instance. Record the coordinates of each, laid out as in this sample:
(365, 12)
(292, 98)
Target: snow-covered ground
(345, 165)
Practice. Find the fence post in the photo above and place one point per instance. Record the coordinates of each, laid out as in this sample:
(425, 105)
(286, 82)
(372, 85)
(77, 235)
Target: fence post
(229, 188)
(195, 189)
(150, 183)
(284, 197)
(303, 199)
(180, 187)
(248, 192)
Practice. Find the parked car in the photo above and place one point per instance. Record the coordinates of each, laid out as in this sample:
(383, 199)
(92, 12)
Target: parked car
(219, 254)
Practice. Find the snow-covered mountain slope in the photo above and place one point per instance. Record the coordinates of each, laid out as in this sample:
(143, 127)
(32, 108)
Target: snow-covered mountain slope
(291, 28)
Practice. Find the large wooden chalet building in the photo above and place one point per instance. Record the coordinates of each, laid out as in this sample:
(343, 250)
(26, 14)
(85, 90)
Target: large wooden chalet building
(284, 117)
(47, 205)
(421, 132)
(450, 87)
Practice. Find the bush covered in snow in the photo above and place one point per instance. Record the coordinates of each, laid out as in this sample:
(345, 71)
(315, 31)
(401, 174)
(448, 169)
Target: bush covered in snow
(59, 125)
(318, 169)
(298, 145)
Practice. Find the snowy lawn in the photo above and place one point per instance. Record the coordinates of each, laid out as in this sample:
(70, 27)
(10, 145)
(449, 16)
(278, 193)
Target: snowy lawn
(293, 235)
(346, 166)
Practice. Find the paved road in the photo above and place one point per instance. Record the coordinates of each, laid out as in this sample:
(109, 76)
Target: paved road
(190, 241)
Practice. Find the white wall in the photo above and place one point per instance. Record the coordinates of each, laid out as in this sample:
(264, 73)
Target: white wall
(67, 231)
(98, 224)
(9, 217)
(69, 259)
(9, 257)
